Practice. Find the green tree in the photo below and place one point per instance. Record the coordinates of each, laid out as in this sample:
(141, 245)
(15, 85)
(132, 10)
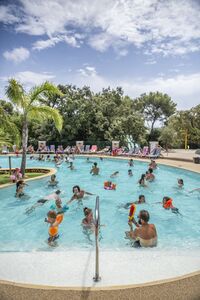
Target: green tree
(31, 107)
(9, 133)
(155, 107)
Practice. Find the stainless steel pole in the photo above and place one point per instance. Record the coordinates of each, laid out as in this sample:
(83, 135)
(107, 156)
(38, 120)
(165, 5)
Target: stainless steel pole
(97, 278)
(10, 167)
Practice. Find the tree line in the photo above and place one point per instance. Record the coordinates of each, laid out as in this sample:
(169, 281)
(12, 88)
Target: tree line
(95, 117)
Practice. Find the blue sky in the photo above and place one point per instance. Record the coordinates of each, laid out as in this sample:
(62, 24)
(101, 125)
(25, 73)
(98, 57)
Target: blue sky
(142, 46)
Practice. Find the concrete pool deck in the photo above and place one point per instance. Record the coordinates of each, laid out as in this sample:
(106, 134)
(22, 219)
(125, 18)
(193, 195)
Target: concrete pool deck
(146, 274)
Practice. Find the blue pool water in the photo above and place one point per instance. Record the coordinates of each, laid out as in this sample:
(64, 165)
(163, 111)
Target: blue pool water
(21, 232)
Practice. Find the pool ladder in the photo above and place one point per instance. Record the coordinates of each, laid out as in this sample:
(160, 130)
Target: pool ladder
(97, 278)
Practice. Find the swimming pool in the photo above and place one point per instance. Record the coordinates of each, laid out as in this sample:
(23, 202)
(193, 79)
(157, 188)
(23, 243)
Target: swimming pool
(21, 232)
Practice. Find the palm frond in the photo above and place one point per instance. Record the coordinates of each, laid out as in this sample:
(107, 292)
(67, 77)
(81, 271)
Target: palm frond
(41, 91)
(43, 113)
(15, 92)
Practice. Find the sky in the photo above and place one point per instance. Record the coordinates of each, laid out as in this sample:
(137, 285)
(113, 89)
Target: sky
(140, 45)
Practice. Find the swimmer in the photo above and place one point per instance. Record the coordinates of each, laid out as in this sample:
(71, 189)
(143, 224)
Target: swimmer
(48, 157)
(144, 235)
(153, 164)
(180, 183)
(195, 190)
(78, 194)
(131, 163)
(167, 204)
(115, 174)
(150, 176)
(40, 202)
(95, 169)
(142, 181)
(88, 160)
(88, 221)
(53, 228)
(141, 200)
(53, 181)
(130, 173)
(20, 188)
(71, 166)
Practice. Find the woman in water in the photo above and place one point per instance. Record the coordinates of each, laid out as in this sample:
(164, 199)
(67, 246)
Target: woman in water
(78, 194)
(88, 221)
(53, 181)
(142, 181)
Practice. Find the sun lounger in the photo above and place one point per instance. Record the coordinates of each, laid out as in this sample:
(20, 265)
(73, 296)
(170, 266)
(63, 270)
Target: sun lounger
(155, 153)
(93, 149)
(144, 152)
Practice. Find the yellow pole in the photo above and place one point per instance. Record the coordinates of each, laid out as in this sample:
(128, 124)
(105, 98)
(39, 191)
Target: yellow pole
(186, 138)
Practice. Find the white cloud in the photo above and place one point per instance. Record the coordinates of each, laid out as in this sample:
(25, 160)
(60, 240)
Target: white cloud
(43, 44)
(17, 55)
(183, 89)
(30, 78)
(161, 27)
(7, 15)
(87, 72)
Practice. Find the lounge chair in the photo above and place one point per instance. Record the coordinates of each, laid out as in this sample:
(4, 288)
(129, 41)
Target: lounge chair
(87, 149)
(155, 153)
(105, 150)
(144, 152)
(52, 148)
(5, 150)
(93, 149)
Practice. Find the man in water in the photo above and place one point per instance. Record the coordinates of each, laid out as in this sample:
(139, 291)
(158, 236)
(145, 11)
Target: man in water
(145, 235)
(54, 196)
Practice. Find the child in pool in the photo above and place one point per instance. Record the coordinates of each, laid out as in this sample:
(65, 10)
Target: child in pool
(53, 228)
(130, 173)
(53, 181)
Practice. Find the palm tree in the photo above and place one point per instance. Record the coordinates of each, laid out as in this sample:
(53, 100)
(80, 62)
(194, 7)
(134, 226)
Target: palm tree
(31, 106)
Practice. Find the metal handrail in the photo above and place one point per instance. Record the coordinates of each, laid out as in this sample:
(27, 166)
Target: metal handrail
(97, 278)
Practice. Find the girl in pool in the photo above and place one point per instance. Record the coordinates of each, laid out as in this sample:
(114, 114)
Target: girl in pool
(167, 204)
(142, 181)
(78, 194)
(180, 183)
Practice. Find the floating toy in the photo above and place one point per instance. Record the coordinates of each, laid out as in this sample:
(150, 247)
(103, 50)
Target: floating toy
(108, 185)
(132, 212)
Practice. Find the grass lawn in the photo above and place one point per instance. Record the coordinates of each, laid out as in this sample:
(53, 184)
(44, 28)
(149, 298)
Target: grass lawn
(5, 178)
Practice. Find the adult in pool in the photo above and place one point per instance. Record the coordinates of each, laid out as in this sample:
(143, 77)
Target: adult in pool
(54, 196)
(145, 235)
(78, 194)
(88, 221)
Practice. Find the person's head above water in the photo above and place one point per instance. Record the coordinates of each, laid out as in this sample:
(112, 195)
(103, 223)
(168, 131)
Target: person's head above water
(58, 192)
(95, 164)
(76, 188)
(141, 198)
(144, 216)
(180, 182)
(87, 211)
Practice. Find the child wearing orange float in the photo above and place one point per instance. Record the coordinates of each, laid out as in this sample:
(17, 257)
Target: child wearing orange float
(167, 204)
(54, 220)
